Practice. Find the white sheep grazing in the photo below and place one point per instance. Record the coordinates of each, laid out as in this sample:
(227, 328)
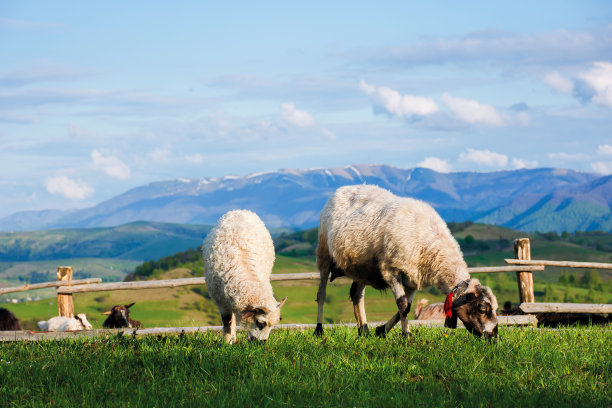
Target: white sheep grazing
(63, 323)
(238, 258)
(376, 238)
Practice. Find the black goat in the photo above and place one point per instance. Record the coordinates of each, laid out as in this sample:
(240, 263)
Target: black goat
(8, 321)
(119, 316)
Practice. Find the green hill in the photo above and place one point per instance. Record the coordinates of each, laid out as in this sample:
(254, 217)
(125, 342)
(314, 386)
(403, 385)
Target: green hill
(136, 241)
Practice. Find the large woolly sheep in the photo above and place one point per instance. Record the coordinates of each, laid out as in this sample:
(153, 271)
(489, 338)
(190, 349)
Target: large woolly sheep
(376, 238)
(63, 323)
(119, 316)
(238, 258)
(8, 321)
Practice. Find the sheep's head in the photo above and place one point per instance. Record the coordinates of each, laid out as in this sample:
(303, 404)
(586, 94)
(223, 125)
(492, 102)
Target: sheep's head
(82, 317)
(121, 314)
(258, 321)
(476, 306)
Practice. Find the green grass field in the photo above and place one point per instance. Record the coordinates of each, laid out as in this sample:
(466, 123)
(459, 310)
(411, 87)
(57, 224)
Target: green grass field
(436, 368)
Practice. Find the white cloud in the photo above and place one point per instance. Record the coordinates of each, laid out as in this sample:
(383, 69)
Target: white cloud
(604, 150)
(44, 71)
(296, 117)
(562, 156)
(503, 48)
(160, 155)
(110, 165)
(68, 188)
(484, 157)
(436, 164)
(599, 79)
(559, 82)
(396, 104)
(523, 164)
(602, 167)
(473, 112)
(195, 158)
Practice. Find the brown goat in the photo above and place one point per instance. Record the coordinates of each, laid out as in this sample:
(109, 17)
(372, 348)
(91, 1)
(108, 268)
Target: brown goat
(119, 316)
(8, 321)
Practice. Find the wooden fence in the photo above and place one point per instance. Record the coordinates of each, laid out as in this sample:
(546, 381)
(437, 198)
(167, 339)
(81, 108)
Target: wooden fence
(523, 265)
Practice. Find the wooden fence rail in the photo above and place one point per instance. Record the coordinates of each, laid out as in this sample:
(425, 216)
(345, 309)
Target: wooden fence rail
(601, 308)
(173, 283)
(568, 264)
(48, 285)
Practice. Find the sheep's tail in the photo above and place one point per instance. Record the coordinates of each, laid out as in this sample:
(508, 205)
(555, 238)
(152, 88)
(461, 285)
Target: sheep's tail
(44, 325)
(422, 303)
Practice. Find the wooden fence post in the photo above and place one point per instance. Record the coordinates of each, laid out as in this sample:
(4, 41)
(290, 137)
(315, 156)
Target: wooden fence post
(64, 302)
(522, 250)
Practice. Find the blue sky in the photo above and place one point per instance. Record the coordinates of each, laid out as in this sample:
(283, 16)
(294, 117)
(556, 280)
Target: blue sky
(98, 99)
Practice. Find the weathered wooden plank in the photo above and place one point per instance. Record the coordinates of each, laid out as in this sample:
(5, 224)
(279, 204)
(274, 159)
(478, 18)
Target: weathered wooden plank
(566, 308)
(152, 284)
(65, 304)
(43, 285)
(567, 264)
(524, 279)
(37, 336)
(497, 269)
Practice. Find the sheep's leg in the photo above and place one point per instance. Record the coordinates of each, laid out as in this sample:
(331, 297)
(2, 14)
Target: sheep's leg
(229, 327)
(357, 296)
(404, 305)
(382, 330)
(403, 299)
(321, 302)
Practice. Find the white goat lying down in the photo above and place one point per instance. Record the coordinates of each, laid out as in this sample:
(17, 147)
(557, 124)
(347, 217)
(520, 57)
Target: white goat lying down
(62, 323)
(238, 258)
(376, 238)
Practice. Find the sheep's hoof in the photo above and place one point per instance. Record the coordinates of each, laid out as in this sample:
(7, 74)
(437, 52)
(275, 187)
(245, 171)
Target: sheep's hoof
(363, 330)
(319, 330)
(381, 331)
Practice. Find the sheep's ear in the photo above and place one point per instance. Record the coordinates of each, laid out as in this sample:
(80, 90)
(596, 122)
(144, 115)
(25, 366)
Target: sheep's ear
(107, 312)
(248, 312)
(130, 305)
(451, 322)
(282, 302)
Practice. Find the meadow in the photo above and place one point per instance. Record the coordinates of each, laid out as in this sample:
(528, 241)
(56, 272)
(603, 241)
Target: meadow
(483, 245)
(435, 368)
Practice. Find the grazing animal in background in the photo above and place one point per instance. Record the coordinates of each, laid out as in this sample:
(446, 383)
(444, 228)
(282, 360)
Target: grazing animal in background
(63, 323)
(8, 321)
(119, 316)
(423, 311)
(238, 258)
(510, 310)
(378, 239)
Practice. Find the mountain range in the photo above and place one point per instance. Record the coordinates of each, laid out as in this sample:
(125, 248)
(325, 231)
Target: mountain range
(543, 199)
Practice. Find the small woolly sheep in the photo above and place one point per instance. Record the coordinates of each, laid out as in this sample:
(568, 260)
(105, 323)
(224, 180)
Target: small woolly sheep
(119, 316)
(8, 321)
(376, 238)
(238, 258)
(63, 323)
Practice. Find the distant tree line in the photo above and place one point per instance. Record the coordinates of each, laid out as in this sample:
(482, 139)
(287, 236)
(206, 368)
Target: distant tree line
(152, 267)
